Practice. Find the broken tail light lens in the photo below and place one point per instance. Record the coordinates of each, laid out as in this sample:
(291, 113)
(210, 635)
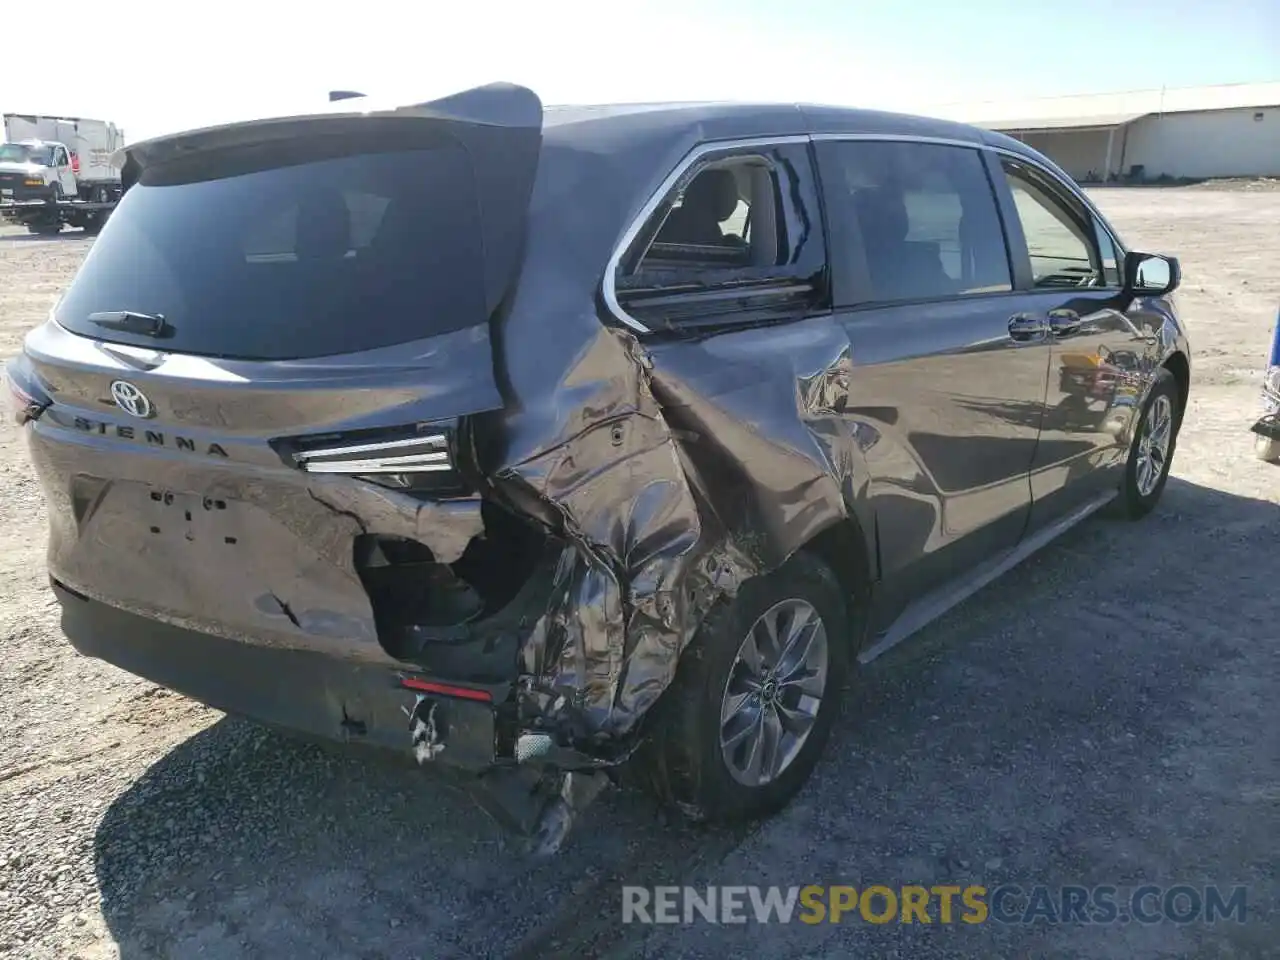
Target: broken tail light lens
(26, 401)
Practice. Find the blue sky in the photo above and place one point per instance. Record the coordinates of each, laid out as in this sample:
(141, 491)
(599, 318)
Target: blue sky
(159, 68)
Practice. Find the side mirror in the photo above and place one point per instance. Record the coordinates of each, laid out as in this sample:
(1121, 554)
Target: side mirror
(1150, 274)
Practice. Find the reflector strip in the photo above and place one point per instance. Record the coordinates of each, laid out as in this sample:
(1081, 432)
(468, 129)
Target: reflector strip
(445, 689)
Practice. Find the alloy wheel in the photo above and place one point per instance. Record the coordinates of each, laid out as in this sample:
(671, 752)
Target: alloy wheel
(1153, 445)
(774, 692)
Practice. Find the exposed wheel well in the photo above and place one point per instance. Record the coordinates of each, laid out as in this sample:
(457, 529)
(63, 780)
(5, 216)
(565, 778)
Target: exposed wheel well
(1181, 370)
(843, 548)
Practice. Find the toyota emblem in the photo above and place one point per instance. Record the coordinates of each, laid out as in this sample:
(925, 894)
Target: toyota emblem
(130, 399)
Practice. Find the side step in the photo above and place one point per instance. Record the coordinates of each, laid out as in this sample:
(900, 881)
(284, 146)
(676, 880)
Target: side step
(920, 613)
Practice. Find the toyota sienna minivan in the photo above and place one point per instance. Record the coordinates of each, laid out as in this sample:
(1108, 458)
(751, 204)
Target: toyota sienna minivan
(578, 441)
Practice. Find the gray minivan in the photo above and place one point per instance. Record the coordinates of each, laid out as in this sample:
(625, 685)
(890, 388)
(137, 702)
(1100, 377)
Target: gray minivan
(552, 444)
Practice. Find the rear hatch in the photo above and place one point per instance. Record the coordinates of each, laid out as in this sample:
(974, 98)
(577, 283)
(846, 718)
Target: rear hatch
(272, 350)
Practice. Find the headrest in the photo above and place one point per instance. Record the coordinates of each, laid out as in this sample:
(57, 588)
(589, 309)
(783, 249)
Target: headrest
(882, 215)
(713, 191)
(323, 228)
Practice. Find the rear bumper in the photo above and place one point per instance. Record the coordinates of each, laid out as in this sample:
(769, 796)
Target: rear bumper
(305, 691)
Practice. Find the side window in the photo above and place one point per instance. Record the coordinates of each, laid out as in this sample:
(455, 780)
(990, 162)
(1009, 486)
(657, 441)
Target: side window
(724, 217)
(920, 221)
(59, 157)
(1059, 235)
(737, 239)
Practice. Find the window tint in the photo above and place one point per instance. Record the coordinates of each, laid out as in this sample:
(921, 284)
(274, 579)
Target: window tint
(926, 219)
(1059, 240)
(333, 256)
(725, 217)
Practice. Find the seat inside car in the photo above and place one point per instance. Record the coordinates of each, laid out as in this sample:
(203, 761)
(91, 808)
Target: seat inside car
(323, 229)
(901, 269)
(708, 201)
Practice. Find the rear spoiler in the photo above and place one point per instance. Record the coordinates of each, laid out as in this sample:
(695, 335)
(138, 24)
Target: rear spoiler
(496, 104)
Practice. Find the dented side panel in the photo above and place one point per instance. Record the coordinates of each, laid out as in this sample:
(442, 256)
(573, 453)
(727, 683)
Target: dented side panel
(677, 470)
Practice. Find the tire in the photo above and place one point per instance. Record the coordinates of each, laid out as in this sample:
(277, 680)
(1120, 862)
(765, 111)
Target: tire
(683, 761)
(1264, 448)
(1147, 470)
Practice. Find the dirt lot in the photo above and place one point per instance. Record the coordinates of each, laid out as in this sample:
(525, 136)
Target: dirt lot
(1106, 714)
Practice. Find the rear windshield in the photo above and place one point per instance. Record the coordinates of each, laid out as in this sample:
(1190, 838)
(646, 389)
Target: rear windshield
(334, 256)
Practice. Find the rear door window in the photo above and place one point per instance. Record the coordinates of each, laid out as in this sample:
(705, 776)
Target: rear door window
(738, 239)
(335, 255)
(915, 221)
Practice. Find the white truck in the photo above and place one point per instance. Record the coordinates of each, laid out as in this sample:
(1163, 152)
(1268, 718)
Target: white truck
(57, 171)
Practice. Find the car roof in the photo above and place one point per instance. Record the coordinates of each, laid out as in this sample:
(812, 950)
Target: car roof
(611, 126)
(616, 127)
(748, 120)
(640, 140)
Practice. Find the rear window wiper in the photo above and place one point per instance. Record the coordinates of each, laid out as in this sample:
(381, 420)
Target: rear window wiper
(131, 321)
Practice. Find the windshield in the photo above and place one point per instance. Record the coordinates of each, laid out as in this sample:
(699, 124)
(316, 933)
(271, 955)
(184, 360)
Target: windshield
(332, 256)
(24, 153)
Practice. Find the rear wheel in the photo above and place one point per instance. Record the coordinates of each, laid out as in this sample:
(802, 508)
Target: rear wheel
(739, 731)
(1151, 456)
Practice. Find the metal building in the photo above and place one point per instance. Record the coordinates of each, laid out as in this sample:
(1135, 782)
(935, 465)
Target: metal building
(1191, 132)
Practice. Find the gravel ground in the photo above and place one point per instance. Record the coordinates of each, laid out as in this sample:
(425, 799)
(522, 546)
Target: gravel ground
(1105, 714)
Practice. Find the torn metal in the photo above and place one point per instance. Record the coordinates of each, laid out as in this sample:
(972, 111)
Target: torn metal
(423, 732)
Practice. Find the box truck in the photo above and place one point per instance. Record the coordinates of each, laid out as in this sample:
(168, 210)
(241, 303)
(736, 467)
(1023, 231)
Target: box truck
(58, 171)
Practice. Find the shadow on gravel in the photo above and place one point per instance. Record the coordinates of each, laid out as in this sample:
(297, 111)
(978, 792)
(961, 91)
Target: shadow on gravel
(243, 840)
(1092, 717)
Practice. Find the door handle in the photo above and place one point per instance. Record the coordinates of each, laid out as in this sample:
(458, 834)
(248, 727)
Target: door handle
(1027, 326)
(1064, 322)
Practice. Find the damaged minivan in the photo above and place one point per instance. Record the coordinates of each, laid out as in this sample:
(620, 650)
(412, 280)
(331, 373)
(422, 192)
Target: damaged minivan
(556, 445)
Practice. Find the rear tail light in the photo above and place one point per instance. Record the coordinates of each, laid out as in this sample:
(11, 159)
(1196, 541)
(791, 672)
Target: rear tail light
(422, 461)
(429, 454)
(25, 401)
